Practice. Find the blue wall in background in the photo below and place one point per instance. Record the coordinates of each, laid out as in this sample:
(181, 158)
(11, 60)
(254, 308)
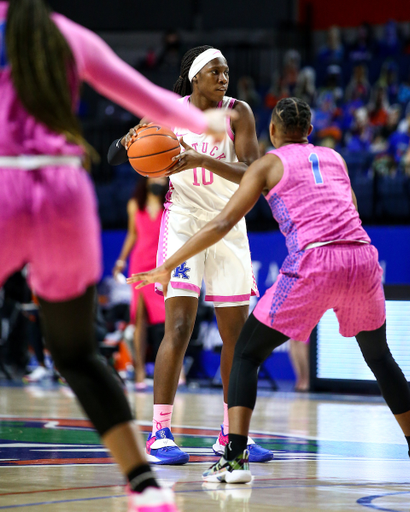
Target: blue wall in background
(268, 252)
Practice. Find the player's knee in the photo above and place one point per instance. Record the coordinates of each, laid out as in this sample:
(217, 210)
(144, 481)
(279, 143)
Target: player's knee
(246, 354)
(376, 355)
(374, 352)
(180, 333)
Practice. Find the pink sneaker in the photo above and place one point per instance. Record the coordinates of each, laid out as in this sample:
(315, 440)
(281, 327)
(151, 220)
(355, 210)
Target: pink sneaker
(152, 500)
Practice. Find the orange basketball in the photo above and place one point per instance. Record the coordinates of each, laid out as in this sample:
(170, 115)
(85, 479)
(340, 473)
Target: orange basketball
(151, 152)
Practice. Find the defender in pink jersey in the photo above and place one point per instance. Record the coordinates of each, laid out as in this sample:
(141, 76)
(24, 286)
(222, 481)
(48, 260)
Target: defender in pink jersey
(331, 264)
(48, 215)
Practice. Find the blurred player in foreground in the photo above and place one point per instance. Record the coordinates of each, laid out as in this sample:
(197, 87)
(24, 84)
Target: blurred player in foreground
(48, 215)
(331, 265)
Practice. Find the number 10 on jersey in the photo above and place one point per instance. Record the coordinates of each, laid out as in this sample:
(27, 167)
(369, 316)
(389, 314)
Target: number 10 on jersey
(205, 181)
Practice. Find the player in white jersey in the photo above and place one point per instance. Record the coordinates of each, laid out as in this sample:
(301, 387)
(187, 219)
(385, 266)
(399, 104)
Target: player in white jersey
(202, 181)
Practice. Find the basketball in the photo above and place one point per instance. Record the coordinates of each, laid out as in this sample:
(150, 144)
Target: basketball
(151, 153)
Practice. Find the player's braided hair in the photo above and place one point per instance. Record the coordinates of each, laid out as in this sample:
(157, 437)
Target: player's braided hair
(293, 114)
(183, 86)
(42, 68)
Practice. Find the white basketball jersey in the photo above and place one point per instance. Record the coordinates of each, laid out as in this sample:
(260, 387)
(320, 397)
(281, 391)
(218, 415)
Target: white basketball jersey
(199, 188)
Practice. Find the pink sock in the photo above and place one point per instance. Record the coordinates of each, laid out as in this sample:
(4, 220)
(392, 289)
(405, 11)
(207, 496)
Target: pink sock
(226, 419)
(162, 417)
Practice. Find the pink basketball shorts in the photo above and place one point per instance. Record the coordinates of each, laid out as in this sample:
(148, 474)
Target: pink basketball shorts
(344, 277)
(48, 219)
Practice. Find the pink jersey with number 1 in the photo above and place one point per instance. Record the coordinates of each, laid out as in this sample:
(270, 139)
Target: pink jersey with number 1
(331, 263)
(313, 200)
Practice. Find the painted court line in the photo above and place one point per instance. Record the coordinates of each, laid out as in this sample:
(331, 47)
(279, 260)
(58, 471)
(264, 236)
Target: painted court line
(61, 501)
(367, 501)
(58, 490)
(362, 501)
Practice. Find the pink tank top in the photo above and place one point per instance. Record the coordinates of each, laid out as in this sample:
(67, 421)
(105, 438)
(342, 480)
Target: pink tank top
(144, 254)
(313, 200)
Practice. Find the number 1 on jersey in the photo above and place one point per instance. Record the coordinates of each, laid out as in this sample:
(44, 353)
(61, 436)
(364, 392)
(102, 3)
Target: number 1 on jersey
(314, 160)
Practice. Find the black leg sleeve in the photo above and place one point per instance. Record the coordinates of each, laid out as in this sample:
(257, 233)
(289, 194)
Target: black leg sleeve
(69, 335)
(390, 378)
(255, 344)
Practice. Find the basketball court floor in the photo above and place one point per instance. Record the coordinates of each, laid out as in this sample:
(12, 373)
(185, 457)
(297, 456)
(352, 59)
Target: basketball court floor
(338, 453)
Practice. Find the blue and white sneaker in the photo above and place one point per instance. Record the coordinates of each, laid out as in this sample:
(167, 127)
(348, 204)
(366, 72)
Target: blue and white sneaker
(230, 471)
(161, 449)
(256, 452)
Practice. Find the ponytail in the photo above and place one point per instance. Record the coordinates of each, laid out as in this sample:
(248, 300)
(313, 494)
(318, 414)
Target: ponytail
(42, 66)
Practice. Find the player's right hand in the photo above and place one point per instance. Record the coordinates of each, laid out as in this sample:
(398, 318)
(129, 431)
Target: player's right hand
(158, 275)
(216, 119)
(128, 139)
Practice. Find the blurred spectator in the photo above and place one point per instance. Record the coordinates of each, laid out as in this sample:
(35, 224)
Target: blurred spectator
(162, 65)
(291, 65)
(406, 162)
(360, 136)
(306, 85)
(333, 51)
(145, 210)
(399, 145)
(389, 81)
(403, 95)
(327, 113)
(378, 106)
(277, 91)
(169, 58)
(348, 112)
(329, 137)
(362, 48)
(405, 123)
(247, 92)
(380, 142)
(393, 118)
(332, 86)
(389, 45)
(405, 36)
(358, 87)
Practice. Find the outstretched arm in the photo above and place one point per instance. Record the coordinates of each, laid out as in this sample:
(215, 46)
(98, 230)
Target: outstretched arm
(255, 180)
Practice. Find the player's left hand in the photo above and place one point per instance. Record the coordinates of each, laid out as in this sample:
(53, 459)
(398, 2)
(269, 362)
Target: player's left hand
(158, 275)
(188, 159)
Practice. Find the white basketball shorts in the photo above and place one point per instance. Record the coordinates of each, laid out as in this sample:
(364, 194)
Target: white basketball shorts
(225, 268)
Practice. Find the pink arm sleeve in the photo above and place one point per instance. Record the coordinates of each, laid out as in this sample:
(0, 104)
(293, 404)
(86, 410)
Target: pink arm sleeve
(99, 66)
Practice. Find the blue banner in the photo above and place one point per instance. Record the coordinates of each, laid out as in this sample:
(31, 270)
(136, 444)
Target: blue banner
(392, 242)
(269, 250)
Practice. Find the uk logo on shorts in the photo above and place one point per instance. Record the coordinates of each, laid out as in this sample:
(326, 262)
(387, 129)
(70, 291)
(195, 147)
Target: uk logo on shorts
(182, 271)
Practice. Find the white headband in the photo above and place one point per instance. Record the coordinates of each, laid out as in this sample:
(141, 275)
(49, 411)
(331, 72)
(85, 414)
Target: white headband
(202, 60)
